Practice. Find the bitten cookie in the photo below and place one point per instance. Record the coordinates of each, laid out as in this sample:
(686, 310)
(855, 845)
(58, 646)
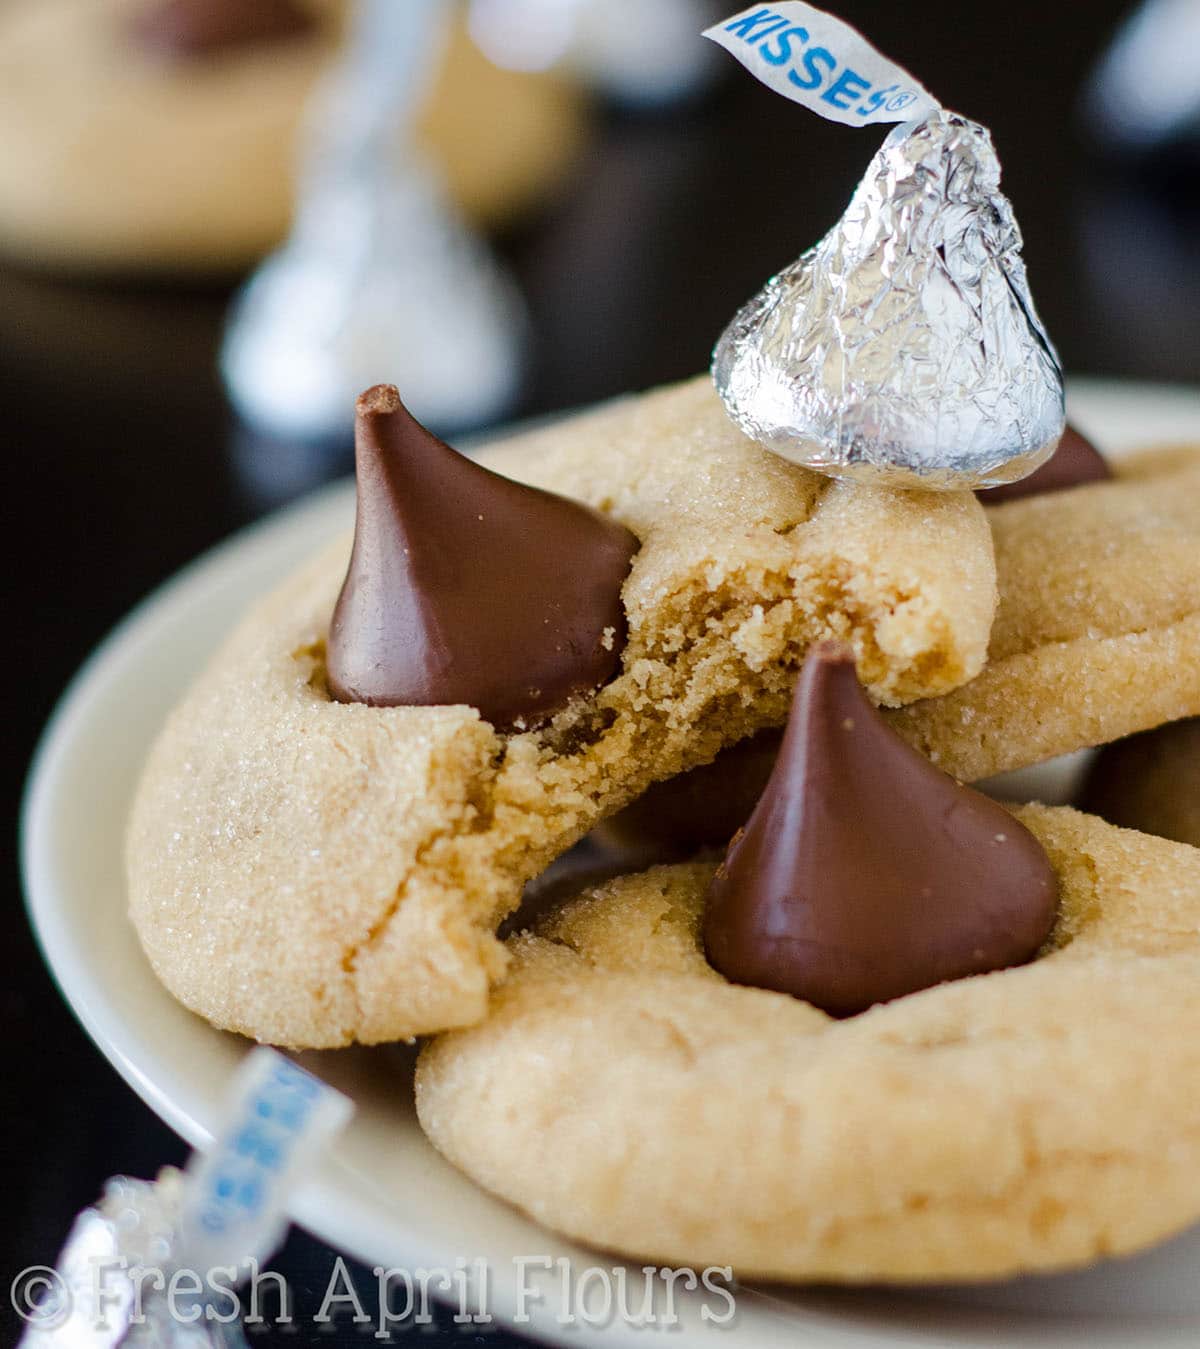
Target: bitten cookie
(116, 156)
(1098, 630)
(623, 1093)
(1098, 634)
(312, 872)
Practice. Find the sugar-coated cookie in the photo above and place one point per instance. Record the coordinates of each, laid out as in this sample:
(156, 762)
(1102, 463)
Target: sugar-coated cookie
(1097, 635)
(115, 157)
(1098, 630)
(311, 873)
(1041, 1117)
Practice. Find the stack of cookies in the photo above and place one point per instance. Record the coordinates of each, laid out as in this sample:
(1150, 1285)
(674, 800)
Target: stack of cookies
(893, 1030)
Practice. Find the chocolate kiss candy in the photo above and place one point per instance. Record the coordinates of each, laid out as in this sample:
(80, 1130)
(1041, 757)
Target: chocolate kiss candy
(1075, 462)
(197, 27)
(466, 587)
(865, 872)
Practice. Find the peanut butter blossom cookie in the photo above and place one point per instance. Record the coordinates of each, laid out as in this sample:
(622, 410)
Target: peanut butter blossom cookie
(353, 794)
(900, 1031)
(162, 134)
(899, 1034)
(1097, 636)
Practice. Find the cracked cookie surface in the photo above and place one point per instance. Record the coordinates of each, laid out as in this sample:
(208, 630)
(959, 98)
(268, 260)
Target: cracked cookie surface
(313, 873)
(1097, 633)
(1034, 1118)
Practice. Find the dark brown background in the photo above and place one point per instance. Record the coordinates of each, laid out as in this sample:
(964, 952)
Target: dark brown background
(122, 461)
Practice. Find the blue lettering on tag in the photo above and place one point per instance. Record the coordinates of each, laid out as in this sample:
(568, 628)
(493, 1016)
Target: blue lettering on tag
(745, 26)
(877, 100)
(779, 41)
(846, 88)
(273, 1118)
(780, 53)
(813, 77)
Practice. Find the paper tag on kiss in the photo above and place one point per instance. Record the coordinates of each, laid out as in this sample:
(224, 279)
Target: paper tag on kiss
(279, 1120)
(818, 60)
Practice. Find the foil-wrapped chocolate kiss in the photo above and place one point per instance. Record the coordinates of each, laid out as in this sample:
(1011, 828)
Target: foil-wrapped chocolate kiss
(904, 348)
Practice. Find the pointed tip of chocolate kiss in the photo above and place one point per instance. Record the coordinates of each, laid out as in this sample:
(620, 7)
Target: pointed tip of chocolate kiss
(185, 28)
(467, 587)
(379, 400)
(865, 873)
(1075, 462)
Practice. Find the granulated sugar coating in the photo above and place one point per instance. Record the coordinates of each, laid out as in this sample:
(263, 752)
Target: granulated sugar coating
(313, 873)
(1098, 630)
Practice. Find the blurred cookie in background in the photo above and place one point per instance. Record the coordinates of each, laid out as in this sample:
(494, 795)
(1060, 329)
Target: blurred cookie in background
(1149, 782)
(160, 135)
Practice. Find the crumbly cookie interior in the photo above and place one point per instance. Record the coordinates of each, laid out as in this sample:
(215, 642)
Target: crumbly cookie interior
(312, 873)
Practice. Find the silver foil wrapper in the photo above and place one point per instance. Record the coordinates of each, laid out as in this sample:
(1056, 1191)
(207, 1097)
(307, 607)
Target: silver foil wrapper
(380, 280)
(154, 1264)
(97, 1299)
(904, 348)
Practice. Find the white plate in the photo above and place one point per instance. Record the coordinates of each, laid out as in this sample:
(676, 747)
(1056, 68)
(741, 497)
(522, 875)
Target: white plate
(384, 1195)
